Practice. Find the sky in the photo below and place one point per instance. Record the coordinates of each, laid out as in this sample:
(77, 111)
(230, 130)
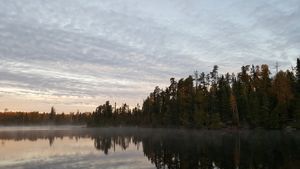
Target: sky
(76, 54)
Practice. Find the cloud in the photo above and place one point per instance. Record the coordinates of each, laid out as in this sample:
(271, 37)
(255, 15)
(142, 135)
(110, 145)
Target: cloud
(69, 52)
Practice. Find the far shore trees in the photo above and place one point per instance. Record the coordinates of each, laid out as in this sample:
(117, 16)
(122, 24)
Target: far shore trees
(249, 99)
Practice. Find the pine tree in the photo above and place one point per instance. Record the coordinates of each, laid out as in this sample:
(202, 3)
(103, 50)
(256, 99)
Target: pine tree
(173, 107)
(52, 114)
(298, 74)
(297, 100)
(223, 95)
(200, 114)
(234, 109)
(282, 90)
(186, 101)
(264, 95)
(242, 89)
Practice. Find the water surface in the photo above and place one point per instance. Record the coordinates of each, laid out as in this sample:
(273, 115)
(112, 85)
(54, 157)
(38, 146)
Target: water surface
(80, 147)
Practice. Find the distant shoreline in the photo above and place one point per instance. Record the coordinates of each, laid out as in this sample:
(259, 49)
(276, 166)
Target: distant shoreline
(78, 126)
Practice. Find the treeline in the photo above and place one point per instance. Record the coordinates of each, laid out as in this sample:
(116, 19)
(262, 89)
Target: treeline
(249, 99)
(107, 115)
(36, 118)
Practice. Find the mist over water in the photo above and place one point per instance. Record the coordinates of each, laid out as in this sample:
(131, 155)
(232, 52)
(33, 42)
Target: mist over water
(80, 147)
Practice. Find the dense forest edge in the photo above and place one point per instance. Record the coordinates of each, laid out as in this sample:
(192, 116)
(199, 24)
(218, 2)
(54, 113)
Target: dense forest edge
(249, 99)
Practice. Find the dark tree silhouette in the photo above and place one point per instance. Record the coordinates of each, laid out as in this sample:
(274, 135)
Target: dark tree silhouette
(252, 98)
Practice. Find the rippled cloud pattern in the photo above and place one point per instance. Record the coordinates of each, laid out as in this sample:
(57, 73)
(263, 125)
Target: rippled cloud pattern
(75, 54)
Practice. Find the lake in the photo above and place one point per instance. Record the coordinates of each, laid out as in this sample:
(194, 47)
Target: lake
(137, 148)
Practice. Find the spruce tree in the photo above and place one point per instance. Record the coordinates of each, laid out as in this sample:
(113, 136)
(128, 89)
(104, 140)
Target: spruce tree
(297, 100)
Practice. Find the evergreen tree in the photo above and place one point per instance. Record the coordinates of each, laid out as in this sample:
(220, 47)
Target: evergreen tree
(264, 95)
(52, 114)
(282, 91)
(186, 100)
(224, 94)
(298, 74)
(297, 99)
(200, 114)
(173, 107)
(242, 90)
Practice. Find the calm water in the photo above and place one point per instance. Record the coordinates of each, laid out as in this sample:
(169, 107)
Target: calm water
(79, 147)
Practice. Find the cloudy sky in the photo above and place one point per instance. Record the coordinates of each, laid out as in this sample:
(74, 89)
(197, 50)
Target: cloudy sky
(75, 54)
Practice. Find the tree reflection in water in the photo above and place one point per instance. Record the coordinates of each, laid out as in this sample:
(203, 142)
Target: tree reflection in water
(189, 149)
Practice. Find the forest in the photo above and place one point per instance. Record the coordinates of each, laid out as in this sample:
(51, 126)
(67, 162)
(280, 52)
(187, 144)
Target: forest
(36, 118)
(252, 98)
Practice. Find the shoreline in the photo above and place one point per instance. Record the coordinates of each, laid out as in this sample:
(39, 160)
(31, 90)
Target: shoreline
(71, 127)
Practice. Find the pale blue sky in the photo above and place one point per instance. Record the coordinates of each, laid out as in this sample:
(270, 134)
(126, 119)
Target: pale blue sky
(75, 54)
